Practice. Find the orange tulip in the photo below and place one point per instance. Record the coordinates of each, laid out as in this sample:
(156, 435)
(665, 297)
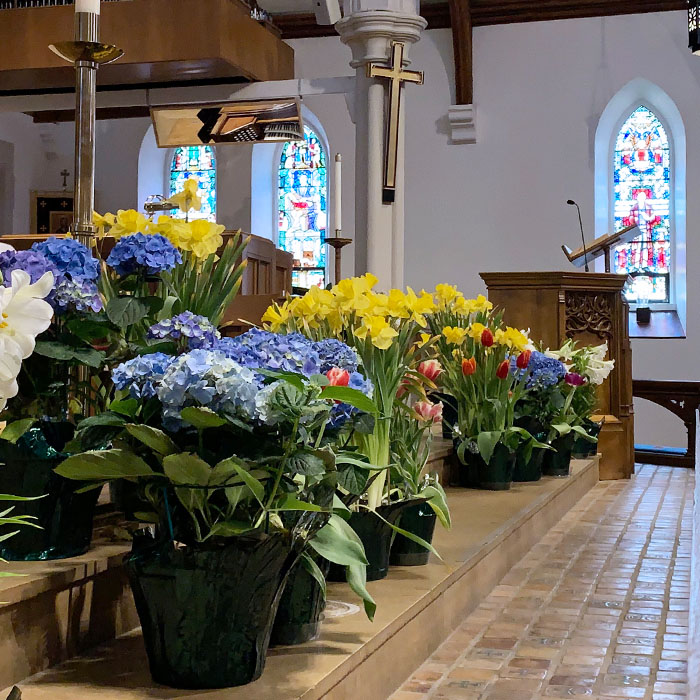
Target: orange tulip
(468, 366)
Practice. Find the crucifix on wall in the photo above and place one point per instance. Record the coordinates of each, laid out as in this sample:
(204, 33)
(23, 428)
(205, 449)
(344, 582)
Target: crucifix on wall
(396, 75)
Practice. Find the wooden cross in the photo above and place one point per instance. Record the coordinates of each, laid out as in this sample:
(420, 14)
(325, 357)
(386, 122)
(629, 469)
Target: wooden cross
(65, 174)
(396, 76)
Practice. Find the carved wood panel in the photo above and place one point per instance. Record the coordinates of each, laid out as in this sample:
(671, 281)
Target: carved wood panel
(589, 312)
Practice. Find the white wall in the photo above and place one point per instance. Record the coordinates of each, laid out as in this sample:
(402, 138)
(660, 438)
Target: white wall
(496, 205)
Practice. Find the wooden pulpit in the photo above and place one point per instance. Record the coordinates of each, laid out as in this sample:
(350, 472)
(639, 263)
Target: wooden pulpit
(591, 309)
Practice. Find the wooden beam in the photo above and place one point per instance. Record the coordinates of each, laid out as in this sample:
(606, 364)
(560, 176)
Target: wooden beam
(57, 116)
(492, 12)
(461, 19)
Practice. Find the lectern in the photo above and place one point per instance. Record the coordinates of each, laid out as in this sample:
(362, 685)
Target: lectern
(591, 309)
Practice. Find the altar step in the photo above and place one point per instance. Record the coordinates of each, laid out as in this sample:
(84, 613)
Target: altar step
(417, 609)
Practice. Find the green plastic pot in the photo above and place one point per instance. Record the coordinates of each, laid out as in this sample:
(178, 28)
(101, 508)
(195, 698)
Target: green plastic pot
(207, 611)
(64, 516)
(419, 520)
(497, 475)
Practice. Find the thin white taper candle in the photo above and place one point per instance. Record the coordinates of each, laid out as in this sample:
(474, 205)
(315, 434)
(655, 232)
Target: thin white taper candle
(88, 6)
(338, 192)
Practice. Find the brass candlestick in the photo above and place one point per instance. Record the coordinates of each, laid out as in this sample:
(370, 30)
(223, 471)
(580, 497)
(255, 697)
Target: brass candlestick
(87, 54)
(338, 243)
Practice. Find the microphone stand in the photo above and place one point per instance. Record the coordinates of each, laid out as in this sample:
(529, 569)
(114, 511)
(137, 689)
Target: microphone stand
(583, 238)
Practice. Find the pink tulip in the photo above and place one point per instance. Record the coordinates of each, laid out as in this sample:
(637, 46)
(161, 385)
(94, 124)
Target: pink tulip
(431, 412)
(430, 369)
(338, 377)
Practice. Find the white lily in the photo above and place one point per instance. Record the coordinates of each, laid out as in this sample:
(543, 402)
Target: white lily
(23, 316)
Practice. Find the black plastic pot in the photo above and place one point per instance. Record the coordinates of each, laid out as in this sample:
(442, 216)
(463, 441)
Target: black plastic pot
(585, 448)
(64, 516)
(376, 537)
(207, 611)
(449, 412)
(497, 475)
(419, 520)
(529, 469)
(301, 607)
(557, 462)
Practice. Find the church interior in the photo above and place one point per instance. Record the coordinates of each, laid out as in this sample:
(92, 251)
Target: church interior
(347, 349)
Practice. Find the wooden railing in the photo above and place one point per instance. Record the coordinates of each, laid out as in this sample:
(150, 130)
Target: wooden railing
(682, 398)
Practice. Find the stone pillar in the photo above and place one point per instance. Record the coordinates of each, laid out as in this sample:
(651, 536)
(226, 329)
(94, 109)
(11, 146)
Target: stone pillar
(369, 31)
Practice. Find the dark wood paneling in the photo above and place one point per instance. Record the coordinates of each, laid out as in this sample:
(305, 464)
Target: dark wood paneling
(461, 18)
(489, 12)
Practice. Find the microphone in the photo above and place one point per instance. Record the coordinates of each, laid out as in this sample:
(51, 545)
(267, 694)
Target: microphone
(583, 238)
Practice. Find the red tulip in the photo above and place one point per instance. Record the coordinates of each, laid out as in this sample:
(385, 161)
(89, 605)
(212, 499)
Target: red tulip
(487, 338)
(338, 377)
(430, 369)
(503, 369)
(429, 411)
(523, 359)
(468, 367)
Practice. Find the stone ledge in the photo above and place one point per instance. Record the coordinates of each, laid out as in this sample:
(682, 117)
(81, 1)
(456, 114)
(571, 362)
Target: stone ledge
(418, 609)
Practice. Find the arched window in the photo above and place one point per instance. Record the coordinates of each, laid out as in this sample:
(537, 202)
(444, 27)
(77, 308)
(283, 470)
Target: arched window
(642, 196)
(303, 208)
(198, 162)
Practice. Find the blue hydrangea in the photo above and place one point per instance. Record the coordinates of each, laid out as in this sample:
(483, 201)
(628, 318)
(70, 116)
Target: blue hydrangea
(288, 353)
(76, 295)
(207, 378)
(31, 261)
(72, 259)
(195, 331)
(141, 375)
(333, 353)
(144, 254)
(342, 412)
(545, 372)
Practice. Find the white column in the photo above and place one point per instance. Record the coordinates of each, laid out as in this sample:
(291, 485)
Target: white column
(369, 33)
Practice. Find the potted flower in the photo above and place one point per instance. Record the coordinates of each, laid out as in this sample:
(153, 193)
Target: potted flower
(240, 482)
(476, 349)
(536, 411)
(383, 329)
(410, 446)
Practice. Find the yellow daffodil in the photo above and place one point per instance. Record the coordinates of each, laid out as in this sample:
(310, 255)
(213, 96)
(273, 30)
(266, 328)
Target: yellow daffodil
(476, 330)
(425, 338)
(276, 316)
(481, 304)
(188, 198)
(419, 305)
(446, 294)
(379, 330)
(103, 222)
(463, 307)
(397, 306)
(511, 338)
(454, 336)
(128, 221)
(202, 237)
(352, 294)
(175, 230)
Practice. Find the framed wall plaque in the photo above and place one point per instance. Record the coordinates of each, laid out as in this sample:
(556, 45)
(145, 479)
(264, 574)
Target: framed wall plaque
(51, 212)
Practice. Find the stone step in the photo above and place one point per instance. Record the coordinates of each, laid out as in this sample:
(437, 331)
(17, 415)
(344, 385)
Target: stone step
(417, 609)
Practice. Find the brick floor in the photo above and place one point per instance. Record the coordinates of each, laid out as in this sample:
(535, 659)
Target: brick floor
(597, 610)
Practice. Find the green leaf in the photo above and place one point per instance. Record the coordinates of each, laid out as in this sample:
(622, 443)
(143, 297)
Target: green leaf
(186, 469)
(581, 432)
(104, 465)
(90, 357)
(201, 418)
(154, 438)
(339, 543)
(127, 407)
(356, 577)
(296, 380)
(54, 350)
(89, 330)
(230, 528)
(307, 464)
(437, 500)
(350, 396)
(487, 442)
(290, 503)
(256, 487)
(104, 419)
(353, 479)
(224, 471)
(562, 428)
(126, 311)
(14, 431)
(307, 561)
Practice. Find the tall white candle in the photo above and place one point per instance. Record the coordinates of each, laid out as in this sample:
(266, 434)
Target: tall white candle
(88, 6)
(338, 195)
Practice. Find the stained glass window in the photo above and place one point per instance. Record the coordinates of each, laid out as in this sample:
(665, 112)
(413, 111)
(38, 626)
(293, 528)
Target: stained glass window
(198, 162)
(642, 196)
(303, 208)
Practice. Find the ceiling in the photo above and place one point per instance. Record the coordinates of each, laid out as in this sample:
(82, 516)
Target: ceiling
(287, 6)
